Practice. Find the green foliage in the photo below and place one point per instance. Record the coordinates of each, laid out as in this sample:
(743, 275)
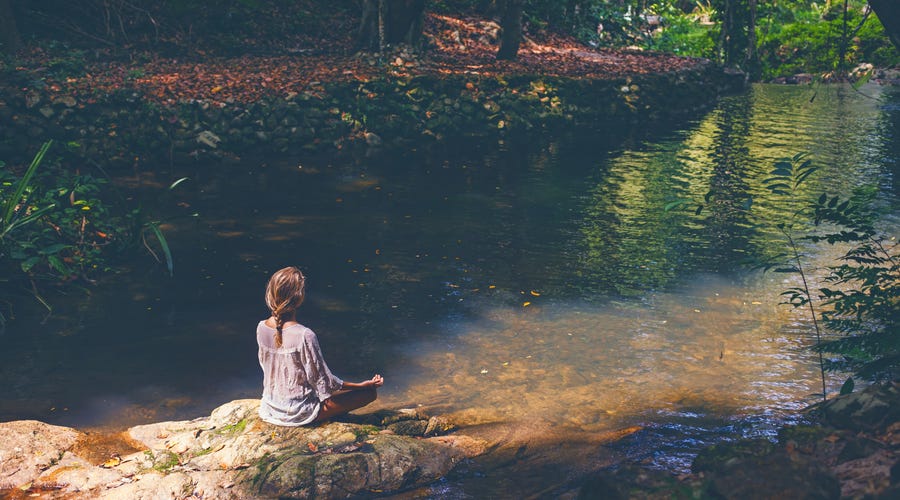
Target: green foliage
(14, 209)
(862, 295)
(684, 36)
(858, 300)
(812, 42)
(813, 45)
(793, 36)
(58, 225)
(55, 225)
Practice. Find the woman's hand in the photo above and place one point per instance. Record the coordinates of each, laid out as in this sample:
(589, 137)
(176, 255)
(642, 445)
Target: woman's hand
(372, 383)
(376, 381)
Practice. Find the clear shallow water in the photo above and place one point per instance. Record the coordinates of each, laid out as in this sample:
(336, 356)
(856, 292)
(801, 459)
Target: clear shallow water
(639, 322)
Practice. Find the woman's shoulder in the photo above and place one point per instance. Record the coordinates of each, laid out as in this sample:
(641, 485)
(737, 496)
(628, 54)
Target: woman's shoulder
(268, 324)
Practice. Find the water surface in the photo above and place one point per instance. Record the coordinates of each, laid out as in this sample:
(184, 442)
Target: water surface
(538, 292)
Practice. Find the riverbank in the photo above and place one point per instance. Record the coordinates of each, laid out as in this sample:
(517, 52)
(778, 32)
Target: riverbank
(230, 454)
(150, 108)
(850, 452)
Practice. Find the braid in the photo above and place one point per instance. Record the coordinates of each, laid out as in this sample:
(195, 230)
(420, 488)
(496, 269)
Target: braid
(284, 294)
(279, 327)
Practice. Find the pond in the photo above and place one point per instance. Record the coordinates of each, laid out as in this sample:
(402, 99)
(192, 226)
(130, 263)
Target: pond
(540, 292)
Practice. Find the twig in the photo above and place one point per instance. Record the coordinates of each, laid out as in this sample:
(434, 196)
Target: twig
(812, 311)
(147, 246)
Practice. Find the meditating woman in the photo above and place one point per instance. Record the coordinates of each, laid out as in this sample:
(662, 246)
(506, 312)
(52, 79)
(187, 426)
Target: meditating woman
(298, 387)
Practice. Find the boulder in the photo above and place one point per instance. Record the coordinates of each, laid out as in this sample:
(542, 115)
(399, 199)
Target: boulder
(28, 447)
(872, 409)
(232, 454)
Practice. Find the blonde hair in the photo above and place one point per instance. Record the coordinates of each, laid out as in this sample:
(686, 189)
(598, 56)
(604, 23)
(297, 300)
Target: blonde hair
(284, 294)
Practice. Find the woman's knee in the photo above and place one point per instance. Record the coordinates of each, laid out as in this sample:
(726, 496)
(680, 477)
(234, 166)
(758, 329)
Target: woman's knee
(369, 395)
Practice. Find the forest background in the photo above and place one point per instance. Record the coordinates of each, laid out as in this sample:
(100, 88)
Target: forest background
(767, 39)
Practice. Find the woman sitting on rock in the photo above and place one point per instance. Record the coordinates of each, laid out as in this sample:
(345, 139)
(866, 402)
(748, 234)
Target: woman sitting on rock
(298, 387)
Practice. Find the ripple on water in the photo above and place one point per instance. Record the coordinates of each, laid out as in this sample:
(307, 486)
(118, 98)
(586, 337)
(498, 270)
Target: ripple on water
(689, 367)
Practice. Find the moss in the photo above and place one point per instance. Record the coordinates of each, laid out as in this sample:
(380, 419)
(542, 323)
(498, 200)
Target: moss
(232, 429)
(202, 452)
(801, 434)
(364, 431)
(165, 461)
(272, 475)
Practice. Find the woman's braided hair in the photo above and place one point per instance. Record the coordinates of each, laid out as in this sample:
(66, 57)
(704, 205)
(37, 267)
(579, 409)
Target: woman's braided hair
(284, 294)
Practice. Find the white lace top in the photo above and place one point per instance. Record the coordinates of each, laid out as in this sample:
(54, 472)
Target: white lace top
(295, 377)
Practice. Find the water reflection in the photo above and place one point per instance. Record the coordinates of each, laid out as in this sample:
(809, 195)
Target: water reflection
(421, 263)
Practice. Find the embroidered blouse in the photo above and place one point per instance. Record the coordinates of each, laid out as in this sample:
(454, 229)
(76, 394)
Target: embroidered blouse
(295, 377)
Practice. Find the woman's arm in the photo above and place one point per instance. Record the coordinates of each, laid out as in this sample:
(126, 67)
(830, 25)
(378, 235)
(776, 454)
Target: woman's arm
(374, 382)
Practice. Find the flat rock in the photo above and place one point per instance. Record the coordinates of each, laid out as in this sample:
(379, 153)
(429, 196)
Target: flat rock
(230, 454)
(27, 447)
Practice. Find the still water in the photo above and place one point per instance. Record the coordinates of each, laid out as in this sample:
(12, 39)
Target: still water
(537, 292)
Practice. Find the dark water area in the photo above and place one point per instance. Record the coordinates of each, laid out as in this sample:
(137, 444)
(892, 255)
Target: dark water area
(540, 286)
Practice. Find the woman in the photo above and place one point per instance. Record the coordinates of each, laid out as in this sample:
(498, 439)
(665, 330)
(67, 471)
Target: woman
(298, 387)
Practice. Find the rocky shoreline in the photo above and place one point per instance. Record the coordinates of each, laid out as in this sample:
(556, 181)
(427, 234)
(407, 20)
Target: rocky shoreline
(231, 454)
(126, 127)
(850, 453)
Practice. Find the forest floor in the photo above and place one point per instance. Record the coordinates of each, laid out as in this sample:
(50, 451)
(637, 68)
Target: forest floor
(251, 68)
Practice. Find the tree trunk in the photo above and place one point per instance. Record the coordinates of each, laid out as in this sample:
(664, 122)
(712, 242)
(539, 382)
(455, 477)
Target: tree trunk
(888, 12)
(845, 42)
(10, 42)
(390, 22)
(751, 61)
(511, 34)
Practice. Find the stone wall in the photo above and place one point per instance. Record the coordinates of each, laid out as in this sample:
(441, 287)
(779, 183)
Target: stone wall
(123, 128)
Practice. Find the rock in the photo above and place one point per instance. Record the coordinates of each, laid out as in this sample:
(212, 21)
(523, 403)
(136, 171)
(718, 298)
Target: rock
(67, 101)
(29, 447)
(233, 454)
(75, 473)
(373, 140)
(874, 408)
(32, 99)
(409, 427)
(776, 475)
(439, 425)
(631, 481)
(761, 469)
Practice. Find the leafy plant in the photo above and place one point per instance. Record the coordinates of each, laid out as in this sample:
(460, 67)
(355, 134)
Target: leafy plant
(861, 301)
(858, 300)
(153, 227)
(57, 227)
(863, 293)
(15, 210)
(784, 180)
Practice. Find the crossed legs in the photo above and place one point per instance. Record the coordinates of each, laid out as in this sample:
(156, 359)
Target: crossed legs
(345, 402)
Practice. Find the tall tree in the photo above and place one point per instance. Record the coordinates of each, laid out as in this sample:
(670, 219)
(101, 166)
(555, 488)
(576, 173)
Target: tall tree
(511, 29)
(10, 42)
(888, 12)
(737, 35)
(390, 22)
